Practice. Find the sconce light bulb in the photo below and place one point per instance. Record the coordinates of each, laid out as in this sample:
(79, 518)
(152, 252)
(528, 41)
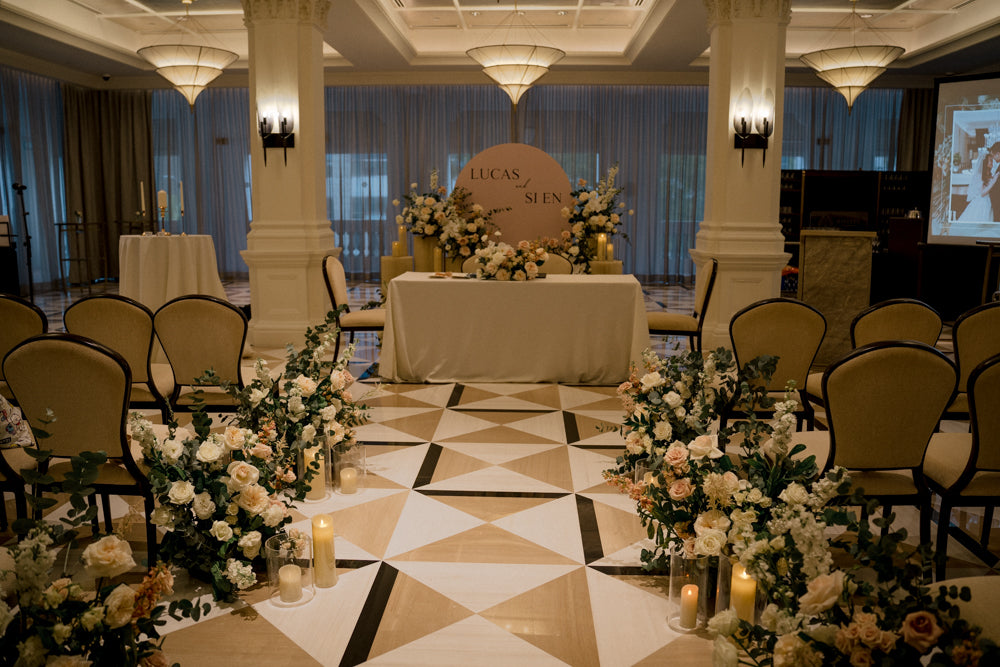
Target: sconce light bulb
(742, 113)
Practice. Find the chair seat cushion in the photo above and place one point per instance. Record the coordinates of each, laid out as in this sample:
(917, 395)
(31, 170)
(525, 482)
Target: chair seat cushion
(18, 459)
(111, 472)
(947, 457)
(817, 444)
(884, 482)
(672, 322)
(374, 318)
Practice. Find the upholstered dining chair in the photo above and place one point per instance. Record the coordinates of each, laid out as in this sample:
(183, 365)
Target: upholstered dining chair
(126, 326)
(556, 265)
(86, 386)
(20, 320)
(964, 468)
(470, 265)
(976, 335)
(351, 322)
(785, 328)
(893, 319)
(200, 333)
(662, 323)
(12, 461)
(883, 402)
(981, 610)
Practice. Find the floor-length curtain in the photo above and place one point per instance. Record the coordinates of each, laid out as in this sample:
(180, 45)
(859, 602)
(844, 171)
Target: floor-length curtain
(206, 151)
(108, 162)
(916, 129)
(31, 154)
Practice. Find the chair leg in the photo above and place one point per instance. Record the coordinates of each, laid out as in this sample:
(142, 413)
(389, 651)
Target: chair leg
(20, 504)
(336, 345)
(151, 547)
(106, 503)
(925, 520)
(944, 521)
(3, 515)
(987, 525)
(95, 523)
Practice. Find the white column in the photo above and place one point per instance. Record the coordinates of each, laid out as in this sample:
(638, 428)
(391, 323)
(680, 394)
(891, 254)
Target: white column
(290, 233)
(741, 227)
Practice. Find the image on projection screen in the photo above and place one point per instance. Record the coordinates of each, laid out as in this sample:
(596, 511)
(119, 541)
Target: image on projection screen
(965, 188)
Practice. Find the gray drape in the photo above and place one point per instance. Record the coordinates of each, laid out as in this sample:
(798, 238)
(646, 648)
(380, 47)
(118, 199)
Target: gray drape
(916, 130)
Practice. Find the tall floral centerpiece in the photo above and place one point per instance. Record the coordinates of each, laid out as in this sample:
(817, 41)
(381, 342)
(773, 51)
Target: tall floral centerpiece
(467, 227)
(424, 214)
(594, 210)
(500, 261)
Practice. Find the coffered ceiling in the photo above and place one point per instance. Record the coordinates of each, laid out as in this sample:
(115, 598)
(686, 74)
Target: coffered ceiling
(413, 40)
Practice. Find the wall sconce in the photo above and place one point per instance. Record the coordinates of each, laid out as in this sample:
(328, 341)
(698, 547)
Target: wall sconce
(284, 138)
(753, 123)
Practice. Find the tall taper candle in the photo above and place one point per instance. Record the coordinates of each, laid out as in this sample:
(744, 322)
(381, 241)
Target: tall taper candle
(142, 197)
(609, 252)
(324, 560)
(402, 237)
(182, 197)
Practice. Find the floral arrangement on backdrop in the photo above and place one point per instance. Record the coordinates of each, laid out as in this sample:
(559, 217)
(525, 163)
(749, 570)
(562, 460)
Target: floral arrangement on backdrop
(770, 509)
(55, 620)
(595, 210)
(500, 261)
(424, 213)
(221, 495)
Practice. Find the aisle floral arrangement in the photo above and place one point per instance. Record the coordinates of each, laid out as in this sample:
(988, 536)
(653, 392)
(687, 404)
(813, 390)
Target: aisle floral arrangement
(770, 509)
(500, 261)
(221, 495)
(594, 210)
(47, 620)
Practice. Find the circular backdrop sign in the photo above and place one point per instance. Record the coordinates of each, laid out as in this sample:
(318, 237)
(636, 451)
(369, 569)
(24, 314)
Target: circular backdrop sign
(525, 179)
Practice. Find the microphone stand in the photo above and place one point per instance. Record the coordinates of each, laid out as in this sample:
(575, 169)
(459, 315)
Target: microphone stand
(19, 189)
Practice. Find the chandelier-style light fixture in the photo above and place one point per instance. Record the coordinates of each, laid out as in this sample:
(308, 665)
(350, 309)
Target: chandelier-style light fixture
(189, 67)
(850, 69)
(518, 60)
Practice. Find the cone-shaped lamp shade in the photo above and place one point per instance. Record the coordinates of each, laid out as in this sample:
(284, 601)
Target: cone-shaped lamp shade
(515, 66)
(189, 67)
(850, 69)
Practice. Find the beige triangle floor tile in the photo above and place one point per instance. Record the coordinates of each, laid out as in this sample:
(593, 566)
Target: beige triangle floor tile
(598, 489)
(618, 529)
(549, 425)
(502, 403)
(497, 452)
(503, 417)
(685, 651)
(617, 499)
(479, 586)
(375, 432)
(452, 464)
(503, 434)
(485, 544)
(551, 467)
(612, 417)
(413, 611)
(231, 635)
(471, 641)
(433, 394)
(494, 478)
(473, 394)
(454, 424)
(616, 605)
(608, 403)
(628, 556)
(556, 617)
(546, 395)
(400, 466)
(422, 426)
(503, 388)
(572, 397)
(592, 431)
(554, 525)
(423, 521)
(371, 525)
(587, 467)
(395, 401)
(490, 508)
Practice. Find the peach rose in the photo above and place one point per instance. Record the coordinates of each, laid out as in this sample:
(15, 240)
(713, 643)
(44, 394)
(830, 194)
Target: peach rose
(681, 489)
(920, 630)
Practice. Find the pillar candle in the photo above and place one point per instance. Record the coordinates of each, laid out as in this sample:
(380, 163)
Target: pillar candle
(609, 252)
(743, 593)
(318, 482)
(397, 249)
(290, 582)
(348, 480)
(142, 197)
(161, 198)
(602, 247)
(402, 236)
(689, 606)
(438, 260)
(182, 197)
(324, 560)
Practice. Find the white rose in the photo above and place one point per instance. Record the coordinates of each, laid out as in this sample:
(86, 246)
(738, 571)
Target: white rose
(171, 449)
(274, 515)
(296, 408)
(254, 499)
(673, 399)
(241, 475)
(725, 623)
(256, 396)
(308, 433)
(221, 531)
(633, 443)
(235, 438)
(822, 593)
(181, 493)
(710, 543)
(250, 543)
(305, 385)
(663, 430)
(108, 557)
(651, 381)
(90, 618)
(203, 505)
(336, 431)
(118, 606)
(162, 516)
(794, 494)
(711, 520)
(704, 445)
(724, 653)
(211, 450)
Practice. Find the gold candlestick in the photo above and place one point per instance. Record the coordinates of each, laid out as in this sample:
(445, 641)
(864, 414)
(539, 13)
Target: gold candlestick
(163, 221)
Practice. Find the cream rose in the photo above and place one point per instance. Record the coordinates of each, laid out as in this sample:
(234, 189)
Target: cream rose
(663, 430)
(162, 516)
(250, 544)
(296, 408)
(203, 505)
(171, 450)
(705, 445)
(181, 492)
(673, 399)
(305, 385)
(308, 433)
(108, 557)
(241, 475)
(711, 520)
(794, 494)
(651, 381)
(256, 396)
(211, 450)
(822, 593)
(254, 499)
(710, 543)
(235, 437)
(90, 618)
(221, 531)
(118, 606)
(680, 489)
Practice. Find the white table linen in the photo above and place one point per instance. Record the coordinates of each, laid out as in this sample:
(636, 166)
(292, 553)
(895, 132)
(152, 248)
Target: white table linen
(156, 269)
(573, 329)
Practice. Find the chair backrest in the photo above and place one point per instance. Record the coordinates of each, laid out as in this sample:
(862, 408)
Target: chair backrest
(786, 328)
(20, 320)
(704, 288)
(977, 337)
(121, 323)
(984, 399)
(896, 319)
(86, 386)
(199, 333)
(884, 401)
(556, 264)
(336, 282)
(470, 265)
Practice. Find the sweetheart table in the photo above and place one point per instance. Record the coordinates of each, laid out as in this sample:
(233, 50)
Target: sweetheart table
(572, 329)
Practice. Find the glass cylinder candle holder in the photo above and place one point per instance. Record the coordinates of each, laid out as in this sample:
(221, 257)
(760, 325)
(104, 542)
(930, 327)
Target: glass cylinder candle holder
(316, 457)
(350, 465)
(746, 597)
(689, 592)
(289, 569)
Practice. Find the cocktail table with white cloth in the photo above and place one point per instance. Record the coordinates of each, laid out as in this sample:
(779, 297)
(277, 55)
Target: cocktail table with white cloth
(573, 329)
(156, 269)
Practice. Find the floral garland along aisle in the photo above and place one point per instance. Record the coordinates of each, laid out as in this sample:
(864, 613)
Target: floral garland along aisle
(769, 509)
(221, 495)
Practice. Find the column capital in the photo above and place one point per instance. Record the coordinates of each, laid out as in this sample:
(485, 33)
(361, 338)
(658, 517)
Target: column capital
(306, 11)
(726, 11)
